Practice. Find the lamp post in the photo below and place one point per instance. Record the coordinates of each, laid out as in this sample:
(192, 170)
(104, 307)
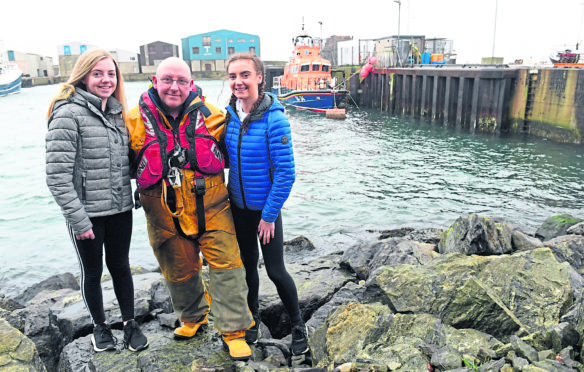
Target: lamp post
(494, 32)
(398, 26)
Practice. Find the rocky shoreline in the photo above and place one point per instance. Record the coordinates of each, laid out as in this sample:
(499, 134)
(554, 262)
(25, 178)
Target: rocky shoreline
(480, 295)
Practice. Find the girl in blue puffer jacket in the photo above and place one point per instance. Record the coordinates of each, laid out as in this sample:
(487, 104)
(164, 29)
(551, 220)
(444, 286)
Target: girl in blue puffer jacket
(261, 174)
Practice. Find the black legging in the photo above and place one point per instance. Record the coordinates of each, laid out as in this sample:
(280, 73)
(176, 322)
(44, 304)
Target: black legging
(246, 228)
(114, 234)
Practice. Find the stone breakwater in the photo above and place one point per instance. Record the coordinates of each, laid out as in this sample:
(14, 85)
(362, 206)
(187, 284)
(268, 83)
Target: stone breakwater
(481, 294)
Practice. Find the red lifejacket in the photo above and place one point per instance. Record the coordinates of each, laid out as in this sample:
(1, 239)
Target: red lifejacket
(193, 147)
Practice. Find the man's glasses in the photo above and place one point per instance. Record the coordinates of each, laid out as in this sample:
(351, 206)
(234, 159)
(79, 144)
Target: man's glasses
(179, 82)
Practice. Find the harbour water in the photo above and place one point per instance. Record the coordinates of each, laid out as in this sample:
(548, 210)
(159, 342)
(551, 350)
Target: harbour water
(367, 173)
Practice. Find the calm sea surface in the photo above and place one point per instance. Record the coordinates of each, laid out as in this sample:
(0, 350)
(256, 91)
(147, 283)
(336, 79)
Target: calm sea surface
(368, 172)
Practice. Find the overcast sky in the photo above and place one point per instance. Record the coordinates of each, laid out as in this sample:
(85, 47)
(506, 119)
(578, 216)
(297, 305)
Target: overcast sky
(525, 29)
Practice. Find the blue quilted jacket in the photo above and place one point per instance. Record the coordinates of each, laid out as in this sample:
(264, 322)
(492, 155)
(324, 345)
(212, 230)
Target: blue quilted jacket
(261, 170)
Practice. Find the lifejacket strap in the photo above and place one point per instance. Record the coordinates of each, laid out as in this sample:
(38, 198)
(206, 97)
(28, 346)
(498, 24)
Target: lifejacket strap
(199, 191)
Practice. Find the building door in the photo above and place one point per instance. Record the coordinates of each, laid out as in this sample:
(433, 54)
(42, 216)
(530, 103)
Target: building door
(208, 67)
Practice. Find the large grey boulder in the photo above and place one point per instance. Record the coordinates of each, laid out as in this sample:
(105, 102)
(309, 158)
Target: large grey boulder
(397, 341)
(38, 327)
(55, 317)
(8, 312)
(71, 318)
(577, 229)
(163, 354)
(476, 234)
(53, 283)
(364, 258)
(570, 249)
(498, 295)
(17, 352)
(556, 226)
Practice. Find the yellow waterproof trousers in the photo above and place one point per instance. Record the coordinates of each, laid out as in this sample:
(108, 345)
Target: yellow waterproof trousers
(177, 245)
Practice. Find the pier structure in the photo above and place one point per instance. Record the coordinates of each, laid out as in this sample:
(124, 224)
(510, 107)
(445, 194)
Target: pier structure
(545, 102)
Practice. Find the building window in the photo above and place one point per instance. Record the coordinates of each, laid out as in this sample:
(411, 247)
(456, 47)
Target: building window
(67, 50)
(316, 67)
(231, 50)
(252, 51)
(230, 40)
(217, 40)
(304, 68)
(218, 50)
(241, 40)
(206, 40)
(325, 68)
(82, 49)
(151, 49)
(167, 48)
(195, 50)
(11, 55)
(252, 40)
(208, 67)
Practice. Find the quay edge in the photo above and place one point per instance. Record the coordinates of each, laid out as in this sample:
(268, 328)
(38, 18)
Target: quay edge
(543, 102)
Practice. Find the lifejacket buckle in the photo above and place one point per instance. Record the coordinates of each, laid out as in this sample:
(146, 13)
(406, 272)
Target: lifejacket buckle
(174, 177)
(178, 159)
(199, 187)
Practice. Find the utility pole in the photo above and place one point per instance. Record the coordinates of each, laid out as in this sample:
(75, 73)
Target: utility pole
(494, 32)
(398, 29)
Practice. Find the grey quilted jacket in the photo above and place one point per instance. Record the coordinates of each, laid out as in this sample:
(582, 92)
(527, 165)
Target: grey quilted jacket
(88, 168)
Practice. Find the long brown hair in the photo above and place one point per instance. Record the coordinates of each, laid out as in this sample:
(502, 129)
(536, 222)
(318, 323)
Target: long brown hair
(83, 66)
(259, 68)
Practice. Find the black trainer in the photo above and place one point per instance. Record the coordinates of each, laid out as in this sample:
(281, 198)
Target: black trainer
(134, 339)
(253, 334)
(299, 339)
(102, 338)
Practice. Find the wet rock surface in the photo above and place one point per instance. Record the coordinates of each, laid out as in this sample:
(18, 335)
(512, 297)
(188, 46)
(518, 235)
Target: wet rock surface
(481, 294)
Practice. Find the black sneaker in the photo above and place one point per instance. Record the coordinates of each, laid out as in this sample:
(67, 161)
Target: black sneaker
(134, 339)
(299, 339)
(253, 334)
(102, 338)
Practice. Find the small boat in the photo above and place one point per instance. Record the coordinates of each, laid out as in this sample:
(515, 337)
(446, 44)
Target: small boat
(567, 58)
(10, 77)
(307, 82)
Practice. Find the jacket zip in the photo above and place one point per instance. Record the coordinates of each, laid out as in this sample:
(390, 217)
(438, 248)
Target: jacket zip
(270, 171)
(239, 140)
(83, 188)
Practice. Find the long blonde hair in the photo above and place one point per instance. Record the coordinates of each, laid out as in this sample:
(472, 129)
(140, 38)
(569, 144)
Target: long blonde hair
(83, 66)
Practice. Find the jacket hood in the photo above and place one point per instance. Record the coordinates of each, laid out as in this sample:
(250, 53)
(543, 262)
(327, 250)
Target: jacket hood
(269, 103)
(82, 98)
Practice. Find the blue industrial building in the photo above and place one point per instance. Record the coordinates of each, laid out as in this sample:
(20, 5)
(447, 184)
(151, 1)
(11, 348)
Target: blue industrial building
(210, 51)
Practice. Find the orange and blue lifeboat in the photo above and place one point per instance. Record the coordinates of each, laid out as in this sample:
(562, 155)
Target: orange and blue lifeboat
(307, 82)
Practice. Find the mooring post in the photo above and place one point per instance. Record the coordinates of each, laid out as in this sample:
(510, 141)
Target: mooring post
(434, 97)
(459, 102)
(474, 104)
(501, 104)
(446, 100)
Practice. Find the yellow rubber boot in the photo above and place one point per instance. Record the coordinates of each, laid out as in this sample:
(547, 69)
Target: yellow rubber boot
(235, 343)
(188, 330)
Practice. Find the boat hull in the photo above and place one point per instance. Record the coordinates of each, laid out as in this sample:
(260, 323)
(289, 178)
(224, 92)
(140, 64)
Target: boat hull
(314, 100)
(10, 87)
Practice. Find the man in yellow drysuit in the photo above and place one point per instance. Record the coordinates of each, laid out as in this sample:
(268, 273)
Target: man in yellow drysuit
(182, 189)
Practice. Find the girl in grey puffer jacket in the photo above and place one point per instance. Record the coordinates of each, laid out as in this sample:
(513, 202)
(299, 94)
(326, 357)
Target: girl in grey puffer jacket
(88, 173)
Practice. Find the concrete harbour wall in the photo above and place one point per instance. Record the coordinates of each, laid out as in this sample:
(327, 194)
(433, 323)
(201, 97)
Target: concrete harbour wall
(546, 102)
